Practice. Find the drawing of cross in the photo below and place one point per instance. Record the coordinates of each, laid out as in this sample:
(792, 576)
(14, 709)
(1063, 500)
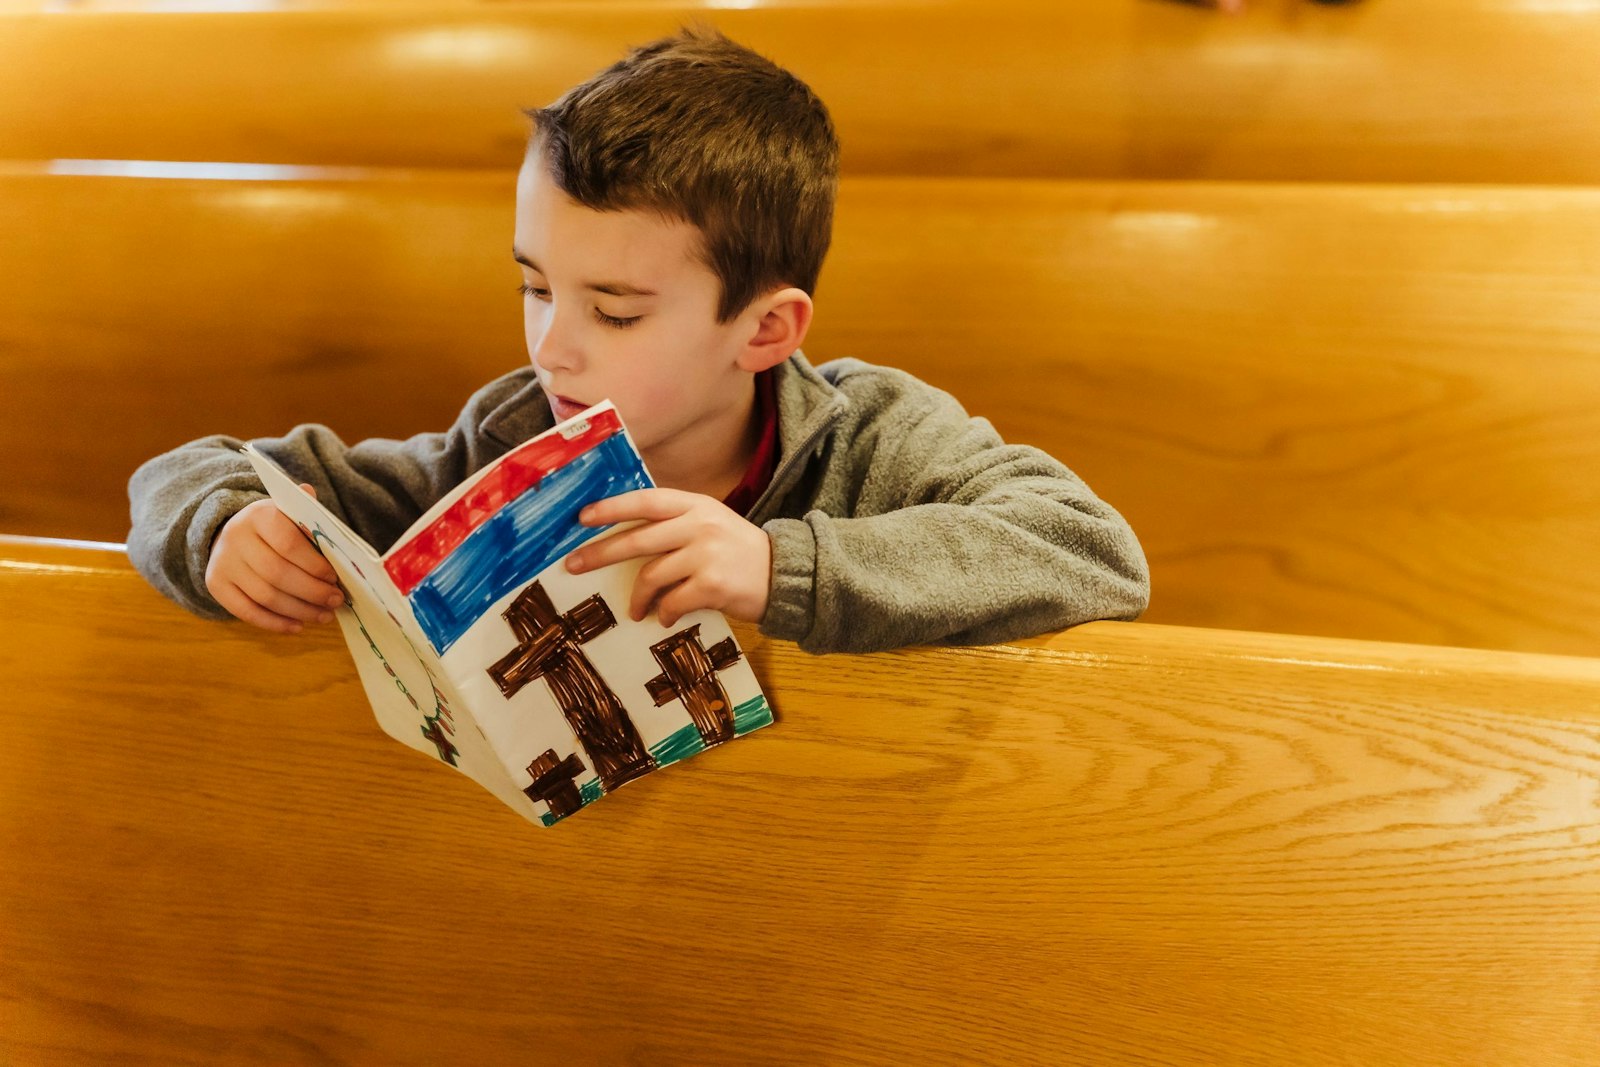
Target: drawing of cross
(689, 673)
(553, 783)
(435, 732)
(549, 646)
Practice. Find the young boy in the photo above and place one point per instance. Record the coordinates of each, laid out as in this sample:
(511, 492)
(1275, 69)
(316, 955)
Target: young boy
(672, 217)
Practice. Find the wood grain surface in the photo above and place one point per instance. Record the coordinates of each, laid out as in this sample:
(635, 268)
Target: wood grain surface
(1348, 410)
(1424, 90)
(1121, 844)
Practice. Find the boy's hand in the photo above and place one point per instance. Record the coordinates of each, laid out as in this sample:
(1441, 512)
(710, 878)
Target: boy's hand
(706, 555)
(264, 571)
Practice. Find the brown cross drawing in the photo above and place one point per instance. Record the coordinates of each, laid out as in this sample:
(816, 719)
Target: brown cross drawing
(553, 782)
(550, 646)
(689, 673)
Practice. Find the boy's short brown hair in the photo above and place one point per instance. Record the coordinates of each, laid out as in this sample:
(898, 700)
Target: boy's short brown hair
(699, 128)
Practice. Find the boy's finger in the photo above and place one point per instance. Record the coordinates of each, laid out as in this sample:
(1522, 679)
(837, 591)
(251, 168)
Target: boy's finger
(304, 555)
(241, 607)
(650, 540)
(677, 602)
(656, 604)
(276, 599)
(290, 542)
(277, 572)
(655, 580)
(652, 505)
(285, 606)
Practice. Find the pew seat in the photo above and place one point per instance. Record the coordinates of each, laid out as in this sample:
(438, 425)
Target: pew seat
(1360, 411)
(1425, 90)
(1122, 843)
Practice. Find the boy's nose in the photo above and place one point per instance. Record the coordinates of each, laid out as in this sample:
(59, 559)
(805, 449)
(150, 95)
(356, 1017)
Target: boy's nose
(553, 349)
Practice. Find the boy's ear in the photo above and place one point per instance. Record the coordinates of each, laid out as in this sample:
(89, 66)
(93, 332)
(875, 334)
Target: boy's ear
(784, 316)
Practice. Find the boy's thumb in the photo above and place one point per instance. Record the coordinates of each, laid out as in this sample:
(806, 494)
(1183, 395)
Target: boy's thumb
(310, 490)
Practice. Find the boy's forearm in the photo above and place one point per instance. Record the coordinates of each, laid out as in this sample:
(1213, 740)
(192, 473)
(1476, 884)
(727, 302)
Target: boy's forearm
(378, 487)
(958, 574)
(178, 501)
(935, 529)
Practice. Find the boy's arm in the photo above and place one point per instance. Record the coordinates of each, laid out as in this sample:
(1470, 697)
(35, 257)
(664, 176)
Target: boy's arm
(955, 536)
(178, 501)
(181, 499)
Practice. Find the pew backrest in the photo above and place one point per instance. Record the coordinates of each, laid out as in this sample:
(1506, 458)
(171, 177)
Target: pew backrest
(1345, 410)
(1427, 90)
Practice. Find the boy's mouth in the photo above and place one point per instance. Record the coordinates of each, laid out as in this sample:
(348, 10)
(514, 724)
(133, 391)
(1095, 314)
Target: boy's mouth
(566, 407)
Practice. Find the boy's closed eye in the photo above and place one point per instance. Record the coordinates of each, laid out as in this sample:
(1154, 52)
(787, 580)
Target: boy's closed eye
(618, 321)
(611, 320)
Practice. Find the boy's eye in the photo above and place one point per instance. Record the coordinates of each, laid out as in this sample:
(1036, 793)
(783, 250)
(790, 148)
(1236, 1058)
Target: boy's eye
(611, 320)
(600, 316)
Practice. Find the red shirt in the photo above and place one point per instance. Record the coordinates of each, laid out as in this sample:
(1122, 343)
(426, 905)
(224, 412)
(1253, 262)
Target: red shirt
(764, 464)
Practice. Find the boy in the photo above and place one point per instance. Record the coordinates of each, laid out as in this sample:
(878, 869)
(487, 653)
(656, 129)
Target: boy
(672, 217)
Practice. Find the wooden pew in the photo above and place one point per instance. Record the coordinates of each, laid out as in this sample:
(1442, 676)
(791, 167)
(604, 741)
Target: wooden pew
(1348, 410)
(1426, 90)
(1123, 843)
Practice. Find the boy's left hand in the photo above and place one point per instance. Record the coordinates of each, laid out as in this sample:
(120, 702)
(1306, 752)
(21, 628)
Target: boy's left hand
(706, 554)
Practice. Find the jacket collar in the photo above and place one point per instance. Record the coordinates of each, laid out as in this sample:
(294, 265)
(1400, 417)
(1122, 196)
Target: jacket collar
(809, 406)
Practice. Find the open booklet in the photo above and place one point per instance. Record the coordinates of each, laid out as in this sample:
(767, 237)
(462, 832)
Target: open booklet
(475, 645)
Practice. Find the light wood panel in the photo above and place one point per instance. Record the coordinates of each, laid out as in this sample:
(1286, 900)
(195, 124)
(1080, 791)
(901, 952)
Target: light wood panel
(1355, 411)
(1124, 843)
(1425, 90)
(1348, 410)
(144, 312)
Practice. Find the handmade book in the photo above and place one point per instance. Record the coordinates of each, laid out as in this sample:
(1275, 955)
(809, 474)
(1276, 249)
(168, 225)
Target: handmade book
(476, 646)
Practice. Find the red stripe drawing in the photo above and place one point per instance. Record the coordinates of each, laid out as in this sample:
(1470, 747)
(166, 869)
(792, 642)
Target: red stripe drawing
(519, 470)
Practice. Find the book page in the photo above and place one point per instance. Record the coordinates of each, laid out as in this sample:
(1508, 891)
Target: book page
(409, 690)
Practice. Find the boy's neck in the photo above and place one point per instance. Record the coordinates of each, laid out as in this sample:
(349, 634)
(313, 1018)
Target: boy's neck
(683, 463)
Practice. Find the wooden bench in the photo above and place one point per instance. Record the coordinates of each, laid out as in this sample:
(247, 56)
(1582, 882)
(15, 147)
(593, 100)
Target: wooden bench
(1347, 410)
(1426, 90)
(1123, 843)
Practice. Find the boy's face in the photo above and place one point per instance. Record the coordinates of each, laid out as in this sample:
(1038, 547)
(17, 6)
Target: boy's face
(618, 307)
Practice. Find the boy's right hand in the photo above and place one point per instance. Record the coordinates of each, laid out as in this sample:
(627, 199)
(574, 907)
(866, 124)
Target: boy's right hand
(264, 571)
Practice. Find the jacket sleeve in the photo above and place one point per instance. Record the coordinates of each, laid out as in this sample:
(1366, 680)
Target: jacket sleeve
(954, 536)
(179, 500)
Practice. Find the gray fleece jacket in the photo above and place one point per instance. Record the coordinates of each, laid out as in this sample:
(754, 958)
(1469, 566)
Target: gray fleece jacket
(895, 518)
